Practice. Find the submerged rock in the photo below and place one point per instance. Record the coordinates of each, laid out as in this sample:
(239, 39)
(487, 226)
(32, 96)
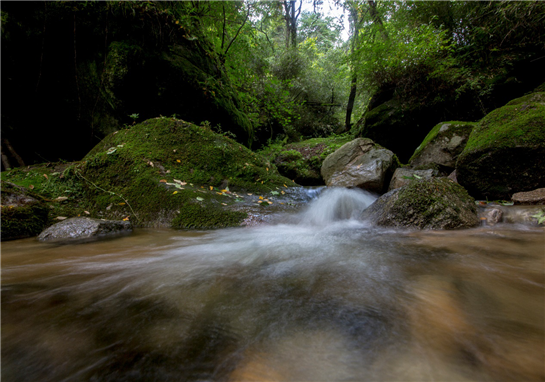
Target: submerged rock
(22, 214)
(360, 163)
(505, 152)
(84, 228)
(436, 203)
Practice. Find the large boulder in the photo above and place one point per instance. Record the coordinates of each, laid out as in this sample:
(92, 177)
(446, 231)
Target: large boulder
(505, 152)
(436, 203)
(442, 145)
(80, 228)
(22, 214)
(360, 163)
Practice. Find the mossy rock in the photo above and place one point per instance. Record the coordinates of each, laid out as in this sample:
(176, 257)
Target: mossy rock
(442, 145)
(302, 161)
(505, 152)
(168, 172)
(436, 203)
(23, 215)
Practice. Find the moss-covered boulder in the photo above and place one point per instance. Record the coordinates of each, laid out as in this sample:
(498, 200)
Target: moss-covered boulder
(301, 161)
(442, 145)
(436, 203)
(505, 152)
(23, 215)
(168, 172)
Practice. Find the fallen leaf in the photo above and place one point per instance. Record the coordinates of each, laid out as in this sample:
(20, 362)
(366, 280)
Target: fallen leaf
(269, 202)
(126, 218)
(199, 199)
(261, 198)
(46, 177)
(175, 192)
(87, 212)
(122, 204)
(109, 207)
(61, 198)
(267, 168)
(282, 192)
(179, 161)
(60, 217)
(250, 194)
(163, 181)
(31, 187)
(151, 164)
(285, 186)
(223, 204)
(274, 192)
(211, 188)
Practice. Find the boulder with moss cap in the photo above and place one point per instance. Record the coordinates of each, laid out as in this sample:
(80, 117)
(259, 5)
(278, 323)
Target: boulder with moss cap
(505, 152)
(436, 203)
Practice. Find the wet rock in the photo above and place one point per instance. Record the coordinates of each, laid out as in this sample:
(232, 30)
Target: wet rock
(436, 203)
(402, 176)
(22, 214)
(442, 145)
(491, 215)
(84, 228)
(505, 152)
(360, 163)
(530, 197)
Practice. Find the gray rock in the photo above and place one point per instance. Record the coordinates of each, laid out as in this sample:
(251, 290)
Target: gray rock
(359, 163)
(442, 145)
(436, 203)
(84, 228)
(530, 197)
(402, 176)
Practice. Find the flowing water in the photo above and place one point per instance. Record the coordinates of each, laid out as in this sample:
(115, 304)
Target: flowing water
(313, 296)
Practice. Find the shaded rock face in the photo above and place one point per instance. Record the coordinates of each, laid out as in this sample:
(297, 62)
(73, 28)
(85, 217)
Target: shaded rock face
(436, 203)
(22, 215)
(530, 197)
(84, 228)
(442, 145)
(403, 176)
(360, 163)
(505, 152)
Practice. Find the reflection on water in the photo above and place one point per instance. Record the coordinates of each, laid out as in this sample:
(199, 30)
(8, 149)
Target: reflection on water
(315, 297)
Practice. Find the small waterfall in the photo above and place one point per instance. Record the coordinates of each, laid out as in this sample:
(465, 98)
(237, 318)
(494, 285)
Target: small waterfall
(336, 204)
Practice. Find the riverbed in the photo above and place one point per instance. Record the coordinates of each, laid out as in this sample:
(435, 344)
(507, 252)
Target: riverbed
(314, 295)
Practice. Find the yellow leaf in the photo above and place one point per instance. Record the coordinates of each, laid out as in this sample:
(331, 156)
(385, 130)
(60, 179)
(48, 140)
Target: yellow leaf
(179, 161)
(126, 218)
(267, 168)
(175, 192)
(282, 192)
(285, 186)
(121, 204)
(211, 188)
(261, 198)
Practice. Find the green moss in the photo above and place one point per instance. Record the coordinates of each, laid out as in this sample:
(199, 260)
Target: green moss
(301, 161)
(25, 221)
(196, 216)
(519, 123)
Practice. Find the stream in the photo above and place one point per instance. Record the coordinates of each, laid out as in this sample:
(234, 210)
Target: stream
(313, 295)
